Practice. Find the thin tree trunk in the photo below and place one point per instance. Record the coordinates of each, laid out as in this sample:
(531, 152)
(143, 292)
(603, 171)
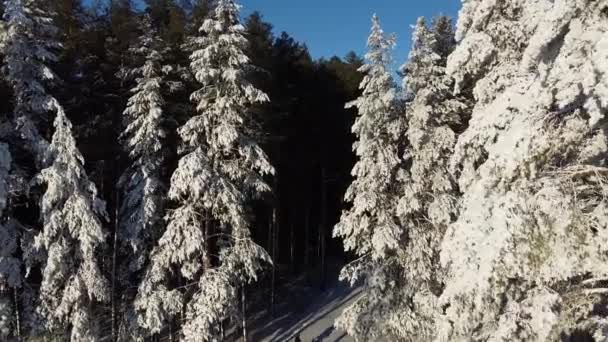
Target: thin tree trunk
(292, 255)
(222, 330)
(269, 243)
(17, 315)
(322, 233)
(269, 248)
(274, 260)
(306, 239)
(114, 252)
(274, 236)
(244, 313)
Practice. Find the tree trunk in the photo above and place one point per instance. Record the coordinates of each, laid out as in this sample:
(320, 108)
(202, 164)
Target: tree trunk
(292, 256)
(222, 330)
(114, 252)
(274, 260)
(306, 239)
(17, 315)
(269, 249)
(244, 313)
(322, 233)
(207, 252)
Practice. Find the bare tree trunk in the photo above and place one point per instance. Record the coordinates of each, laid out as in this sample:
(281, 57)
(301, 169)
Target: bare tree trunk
(17, 315)
(222, 330)
(322, 233)
(274, 230)
(269, 249)
(274, 260)
(292, 242)
(306, 239)
(244, 313)
(269, 243)
(114, 252)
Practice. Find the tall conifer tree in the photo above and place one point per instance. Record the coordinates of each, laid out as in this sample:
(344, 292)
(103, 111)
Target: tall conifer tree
(222, 168)
(370, 228)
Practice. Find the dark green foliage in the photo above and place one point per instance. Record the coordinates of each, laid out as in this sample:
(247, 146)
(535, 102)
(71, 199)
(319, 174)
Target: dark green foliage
(308, 129)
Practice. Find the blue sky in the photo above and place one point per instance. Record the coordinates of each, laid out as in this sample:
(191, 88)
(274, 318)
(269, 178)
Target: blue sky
(334, 27)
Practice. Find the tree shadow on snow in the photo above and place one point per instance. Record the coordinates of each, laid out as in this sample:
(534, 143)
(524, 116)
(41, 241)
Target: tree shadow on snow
(289, 322)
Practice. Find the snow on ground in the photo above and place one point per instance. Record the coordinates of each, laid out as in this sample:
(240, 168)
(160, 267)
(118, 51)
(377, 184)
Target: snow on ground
(303, 308)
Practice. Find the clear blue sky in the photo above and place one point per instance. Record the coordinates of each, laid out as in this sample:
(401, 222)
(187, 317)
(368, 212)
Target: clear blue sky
(335, 27)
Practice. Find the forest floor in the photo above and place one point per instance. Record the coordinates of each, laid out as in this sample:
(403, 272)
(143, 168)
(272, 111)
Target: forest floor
(301, 307)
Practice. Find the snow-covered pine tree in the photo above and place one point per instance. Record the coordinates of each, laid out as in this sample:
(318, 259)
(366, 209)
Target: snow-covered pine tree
(429, 200)
(370, 228)
(527, 258)
(221, 169)
(142, 189)
(71, 234)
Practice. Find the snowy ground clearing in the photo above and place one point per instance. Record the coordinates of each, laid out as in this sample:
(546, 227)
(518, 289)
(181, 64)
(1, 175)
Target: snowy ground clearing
(303, 308)
(312, 316)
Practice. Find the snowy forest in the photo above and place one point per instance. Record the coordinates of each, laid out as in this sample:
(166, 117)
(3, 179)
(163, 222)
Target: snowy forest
(181, 172)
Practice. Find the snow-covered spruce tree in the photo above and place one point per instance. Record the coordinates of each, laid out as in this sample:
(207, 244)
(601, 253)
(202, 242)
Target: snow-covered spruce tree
(221, 168)
(370, 228)
(141, 186)
(141, 210)
(429, 198)
(29, 47)
(71, 234)
(528, 255)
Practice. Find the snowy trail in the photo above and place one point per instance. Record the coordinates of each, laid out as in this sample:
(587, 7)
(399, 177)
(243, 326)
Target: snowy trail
(314, 322)
(302, 308)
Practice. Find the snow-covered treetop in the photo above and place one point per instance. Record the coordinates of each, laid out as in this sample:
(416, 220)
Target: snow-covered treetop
(27, 51)
(432, 116)
(143, 116)
(380, 46)
(428, 55)
(221, 59)
(71, 233)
